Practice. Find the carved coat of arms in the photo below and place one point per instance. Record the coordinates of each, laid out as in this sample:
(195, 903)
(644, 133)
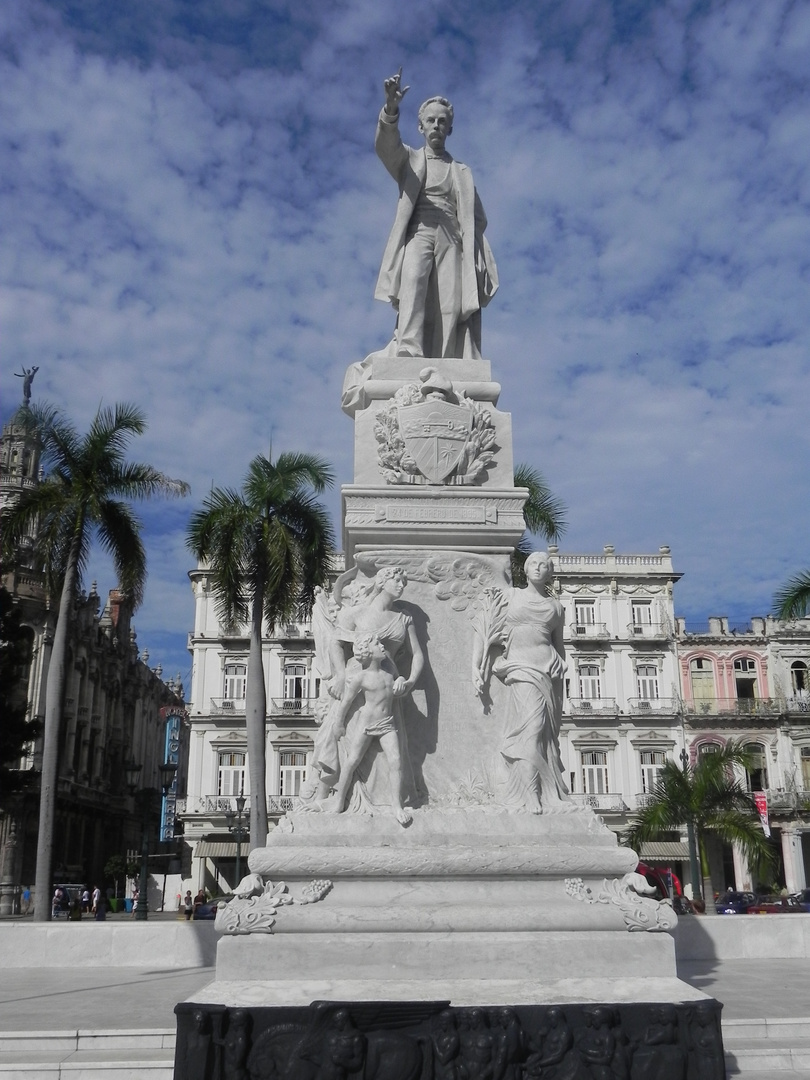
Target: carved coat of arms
(430, 434)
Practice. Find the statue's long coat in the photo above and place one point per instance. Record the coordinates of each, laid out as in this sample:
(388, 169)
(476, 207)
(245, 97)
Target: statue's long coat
(409, 168)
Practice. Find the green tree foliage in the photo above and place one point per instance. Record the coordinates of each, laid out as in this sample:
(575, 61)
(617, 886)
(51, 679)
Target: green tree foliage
(544, 514)
(706, 797)
(267, 547)
(83, 498)
(15, 729)
(792, 601)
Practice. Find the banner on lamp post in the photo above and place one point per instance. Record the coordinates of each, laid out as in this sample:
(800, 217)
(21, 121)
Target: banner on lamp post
(761, 801)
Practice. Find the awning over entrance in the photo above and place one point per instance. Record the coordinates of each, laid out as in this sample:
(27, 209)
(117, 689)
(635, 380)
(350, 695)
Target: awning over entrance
(218, 849)
(664, 851)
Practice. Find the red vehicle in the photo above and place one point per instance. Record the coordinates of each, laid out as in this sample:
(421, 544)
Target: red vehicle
(776, 905)
(661, 878)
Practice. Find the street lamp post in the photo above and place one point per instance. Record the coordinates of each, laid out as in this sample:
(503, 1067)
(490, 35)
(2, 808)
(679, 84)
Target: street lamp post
(238, 831)
(167, 771)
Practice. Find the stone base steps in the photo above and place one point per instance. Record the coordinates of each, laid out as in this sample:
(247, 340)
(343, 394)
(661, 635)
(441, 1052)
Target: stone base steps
(77, 1055)
(763, 1049)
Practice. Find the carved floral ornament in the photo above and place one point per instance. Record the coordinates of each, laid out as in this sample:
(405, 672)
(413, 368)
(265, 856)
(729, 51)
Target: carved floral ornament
(429, 434)
(256, 903)
(630, 894)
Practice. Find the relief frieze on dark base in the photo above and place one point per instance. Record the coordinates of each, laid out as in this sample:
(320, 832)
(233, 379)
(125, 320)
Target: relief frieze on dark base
(436, 1041)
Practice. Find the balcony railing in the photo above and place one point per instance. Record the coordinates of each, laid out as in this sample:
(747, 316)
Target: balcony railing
(605, 803)
(592, 706)
(292, 706)
(798, 705)
(653, 706)
(649, 631)
(643, 799)
(596, 631)
(735, 706)
(227, 706)
(224, 804)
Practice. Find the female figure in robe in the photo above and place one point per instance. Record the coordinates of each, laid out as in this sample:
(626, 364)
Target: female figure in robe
(532, 665)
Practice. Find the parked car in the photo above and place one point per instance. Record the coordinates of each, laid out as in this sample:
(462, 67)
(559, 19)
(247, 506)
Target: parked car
(735, 903)
(776, 905)
(803, 898)
(205, 911)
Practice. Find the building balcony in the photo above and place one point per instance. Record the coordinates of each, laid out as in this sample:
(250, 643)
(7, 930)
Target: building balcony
(227, 706)
(605, 803)
(225, 804)
(732, 706)
(798, 705)
(291, 707)
(643, 799)
(649, 631)
(592, 706)
(596, 631)
(653, 706)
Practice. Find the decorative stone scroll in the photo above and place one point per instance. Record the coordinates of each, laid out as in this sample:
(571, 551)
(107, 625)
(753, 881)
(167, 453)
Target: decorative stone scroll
(256, 902)
(631, 895)
(429, 434)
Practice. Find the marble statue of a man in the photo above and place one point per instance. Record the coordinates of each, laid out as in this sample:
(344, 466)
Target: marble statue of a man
(437, 269)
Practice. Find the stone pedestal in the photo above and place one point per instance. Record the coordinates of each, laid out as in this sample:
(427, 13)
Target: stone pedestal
(474, 903)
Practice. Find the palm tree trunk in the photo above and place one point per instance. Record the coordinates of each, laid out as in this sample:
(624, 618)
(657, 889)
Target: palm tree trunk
(255, 720)
(708, 889)
(49, 777)
(694, 863)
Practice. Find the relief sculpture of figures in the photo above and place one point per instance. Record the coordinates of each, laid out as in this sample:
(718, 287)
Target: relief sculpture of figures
(529, 629)
(369, 642)
(437, 269)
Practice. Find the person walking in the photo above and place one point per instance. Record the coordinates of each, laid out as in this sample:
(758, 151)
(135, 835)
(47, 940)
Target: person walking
(188, 905)
(96, 900)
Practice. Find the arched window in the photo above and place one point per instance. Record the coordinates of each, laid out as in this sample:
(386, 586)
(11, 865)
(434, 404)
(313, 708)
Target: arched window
(594, 772)
(701, 674)
(295, 682)
(647, 679)
(292, 771)
(805, 760)
(652, 762)
(745, 678)
(798, 678)
(590, 688)
(231, 775)
(234, 685)
(757, 774)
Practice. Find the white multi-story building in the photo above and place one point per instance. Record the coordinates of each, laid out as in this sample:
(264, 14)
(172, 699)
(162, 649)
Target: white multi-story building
(634, 699)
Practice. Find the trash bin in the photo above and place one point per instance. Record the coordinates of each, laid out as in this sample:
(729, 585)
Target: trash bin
(128, 905)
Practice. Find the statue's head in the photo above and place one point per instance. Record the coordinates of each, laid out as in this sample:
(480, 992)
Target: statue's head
(368, 646)
(436, 122)
(538, 569)
(390, 579)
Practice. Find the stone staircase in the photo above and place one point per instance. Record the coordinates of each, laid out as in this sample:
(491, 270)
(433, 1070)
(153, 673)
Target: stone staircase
(75, 1055)
(767, 1049)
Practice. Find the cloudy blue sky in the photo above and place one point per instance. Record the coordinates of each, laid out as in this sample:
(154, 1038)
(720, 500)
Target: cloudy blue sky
(192, 219)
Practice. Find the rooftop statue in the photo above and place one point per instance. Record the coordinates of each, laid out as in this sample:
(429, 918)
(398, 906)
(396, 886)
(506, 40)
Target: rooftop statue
(437, 269)
(27, 376)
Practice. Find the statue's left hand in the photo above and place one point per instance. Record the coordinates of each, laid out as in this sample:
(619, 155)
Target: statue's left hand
(401, 686)
(394, 93)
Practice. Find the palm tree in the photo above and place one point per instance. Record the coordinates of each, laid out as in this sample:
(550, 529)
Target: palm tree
(543, 513)
(80, 499)
(792, 601)
(267, 546)
(707, 798)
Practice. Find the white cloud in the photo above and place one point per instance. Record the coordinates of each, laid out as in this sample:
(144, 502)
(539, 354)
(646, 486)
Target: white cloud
(193, 217)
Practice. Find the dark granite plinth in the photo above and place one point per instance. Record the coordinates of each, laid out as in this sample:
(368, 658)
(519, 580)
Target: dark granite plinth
(435, 1041)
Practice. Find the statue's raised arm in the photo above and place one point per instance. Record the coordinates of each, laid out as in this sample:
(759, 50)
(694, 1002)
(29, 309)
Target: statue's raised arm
(437, 269)
(394, 93)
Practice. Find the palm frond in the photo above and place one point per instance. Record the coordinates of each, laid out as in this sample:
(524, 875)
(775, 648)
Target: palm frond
(543, 512)
(792, 600)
